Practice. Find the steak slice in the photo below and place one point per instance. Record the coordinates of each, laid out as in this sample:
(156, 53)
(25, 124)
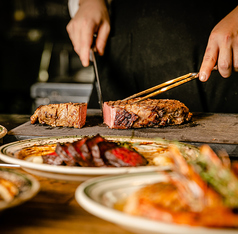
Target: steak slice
(63, 114)
(147, 113)
(52, 159)
(86, 148)
(75, 150)
(65, 155)
(98, 152)
(124, 157)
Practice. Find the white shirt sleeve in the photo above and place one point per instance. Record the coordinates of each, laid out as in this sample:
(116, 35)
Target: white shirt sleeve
(73, 6)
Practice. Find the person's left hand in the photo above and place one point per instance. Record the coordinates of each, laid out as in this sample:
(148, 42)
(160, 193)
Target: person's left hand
(222, 48)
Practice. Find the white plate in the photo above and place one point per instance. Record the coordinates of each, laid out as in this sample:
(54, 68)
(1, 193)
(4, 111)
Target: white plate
(3, 131)
(98, 196)
(65, 172)
(27, 185)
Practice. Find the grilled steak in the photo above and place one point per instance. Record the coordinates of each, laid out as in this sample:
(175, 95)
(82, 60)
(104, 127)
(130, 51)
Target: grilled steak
(63, 114)
(148, 113)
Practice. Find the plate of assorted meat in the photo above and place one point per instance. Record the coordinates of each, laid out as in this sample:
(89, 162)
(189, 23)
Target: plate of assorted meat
(196, 196)
(16, 188)
(83, 157)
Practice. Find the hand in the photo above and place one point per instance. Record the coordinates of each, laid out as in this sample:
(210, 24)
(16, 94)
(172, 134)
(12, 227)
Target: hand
(222, 48)
(92, 17)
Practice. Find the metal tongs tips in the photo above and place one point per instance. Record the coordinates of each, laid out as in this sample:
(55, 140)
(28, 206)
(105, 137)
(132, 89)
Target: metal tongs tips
(164, 86)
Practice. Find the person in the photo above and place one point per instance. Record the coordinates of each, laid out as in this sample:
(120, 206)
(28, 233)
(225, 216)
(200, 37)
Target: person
(145, 43)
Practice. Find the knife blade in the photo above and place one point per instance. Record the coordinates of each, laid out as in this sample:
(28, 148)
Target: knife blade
(98, 86)
(97, 83)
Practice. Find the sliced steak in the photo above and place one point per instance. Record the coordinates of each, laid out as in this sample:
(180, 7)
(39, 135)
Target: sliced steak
(95, 151)
(63, 114)
(147, 113)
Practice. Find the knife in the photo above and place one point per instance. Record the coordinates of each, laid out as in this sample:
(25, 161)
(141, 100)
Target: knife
(98, 86)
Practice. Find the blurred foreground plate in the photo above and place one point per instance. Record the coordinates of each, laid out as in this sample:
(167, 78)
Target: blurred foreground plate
(25, 186)
(99, 195)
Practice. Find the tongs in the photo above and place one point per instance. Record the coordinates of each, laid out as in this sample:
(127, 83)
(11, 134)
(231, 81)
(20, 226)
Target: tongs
(165, 86)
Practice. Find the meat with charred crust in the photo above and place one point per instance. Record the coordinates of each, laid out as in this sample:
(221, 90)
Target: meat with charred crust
(63, 114)
(147, 113)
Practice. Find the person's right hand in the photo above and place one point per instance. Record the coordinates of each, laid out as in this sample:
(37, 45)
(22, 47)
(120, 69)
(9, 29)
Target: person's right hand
(92, 17)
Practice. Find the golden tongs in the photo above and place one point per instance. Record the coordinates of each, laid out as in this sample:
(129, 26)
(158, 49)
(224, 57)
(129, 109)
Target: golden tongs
(165, 86)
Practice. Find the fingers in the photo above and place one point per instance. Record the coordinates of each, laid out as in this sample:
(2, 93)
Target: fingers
(222, 48)
(220, 51)
(225, 61)
(85, 43)
(209, 61)
(102, 37)
(235, 56)
(92, 17)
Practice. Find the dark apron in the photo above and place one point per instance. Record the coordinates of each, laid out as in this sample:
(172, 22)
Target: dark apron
(154, 41)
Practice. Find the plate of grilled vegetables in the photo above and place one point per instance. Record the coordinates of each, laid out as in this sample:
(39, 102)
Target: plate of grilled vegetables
(196, 196)
(83, 157)
(16, 187)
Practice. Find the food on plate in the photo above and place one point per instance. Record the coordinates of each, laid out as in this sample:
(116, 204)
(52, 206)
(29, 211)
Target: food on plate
(147, 113)
(63, 114)
(200, 192)
(95, 151)
(11, 185)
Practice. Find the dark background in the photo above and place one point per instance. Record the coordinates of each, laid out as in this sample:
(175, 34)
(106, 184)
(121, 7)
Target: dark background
(26, 26)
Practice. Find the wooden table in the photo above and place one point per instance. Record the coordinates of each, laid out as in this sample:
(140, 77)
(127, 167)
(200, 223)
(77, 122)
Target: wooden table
(54, 209)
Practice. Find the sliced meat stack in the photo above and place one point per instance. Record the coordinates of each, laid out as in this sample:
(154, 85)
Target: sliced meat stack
(147, 113)
(63, 114)
(95, 151)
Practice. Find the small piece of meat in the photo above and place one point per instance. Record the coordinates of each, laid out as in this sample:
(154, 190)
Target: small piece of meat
(98, 152)
(121, 156)
(86, 148)
(63, 114)
(64, 154)
(77, 146)
(77, 113)
(78, 157)
(147, 113)
(52, 159)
